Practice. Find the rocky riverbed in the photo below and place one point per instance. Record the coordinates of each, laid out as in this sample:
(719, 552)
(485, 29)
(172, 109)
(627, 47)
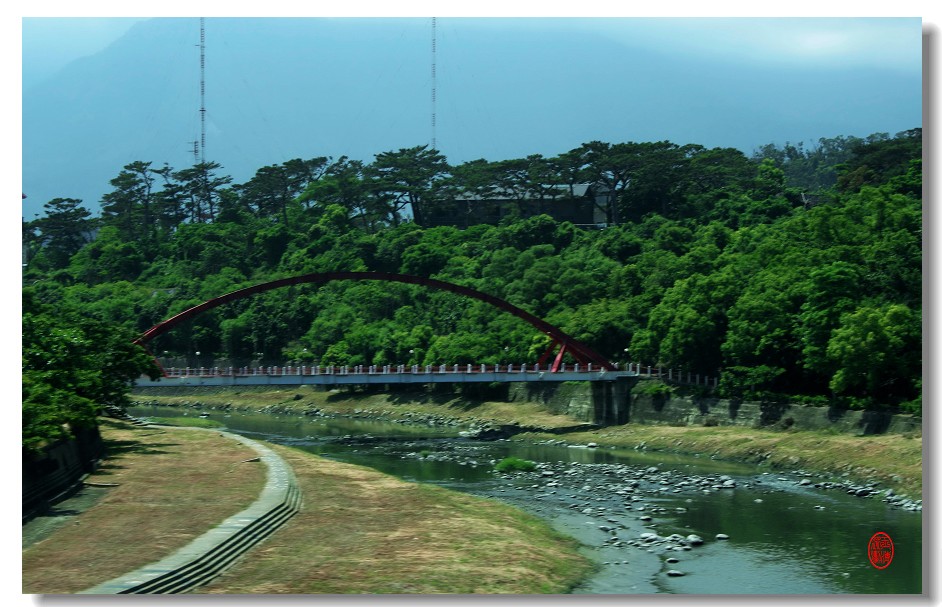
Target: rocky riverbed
(633, 484)
(484, 429)
(640, 521)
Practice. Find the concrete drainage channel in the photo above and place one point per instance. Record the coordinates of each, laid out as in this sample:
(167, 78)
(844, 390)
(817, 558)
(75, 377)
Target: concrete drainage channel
(210, 554)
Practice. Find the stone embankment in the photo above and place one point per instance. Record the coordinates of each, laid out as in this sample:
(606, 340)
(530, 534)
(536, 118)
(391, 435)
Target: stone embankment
(670, 408)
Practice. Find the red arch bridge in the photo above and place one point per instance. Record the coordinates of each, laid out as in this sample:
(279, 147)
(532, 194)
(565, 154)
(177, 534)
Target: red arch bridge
(589, 365)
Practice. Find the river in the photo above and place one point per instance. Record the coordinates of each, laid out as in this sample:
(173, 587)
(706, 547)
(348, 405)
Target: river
(634, 511)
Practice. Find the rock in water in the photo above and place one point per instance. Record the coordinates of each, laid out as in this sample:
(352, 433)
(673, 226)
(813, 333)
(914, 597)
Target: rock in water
(722, 536)
(694, 540)
(675, 573)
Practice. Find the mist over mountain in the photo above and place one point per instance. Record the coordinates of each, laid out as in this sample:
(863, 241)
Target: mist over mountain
(278, 89)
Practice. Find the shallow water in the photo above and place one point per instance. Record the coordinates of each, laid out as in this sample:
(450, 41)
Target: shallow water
(784, 538)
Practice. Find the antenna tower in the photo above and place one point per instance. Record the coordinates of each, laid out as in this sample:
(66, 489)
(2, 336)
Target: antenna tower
(434, 146)
(202, 154)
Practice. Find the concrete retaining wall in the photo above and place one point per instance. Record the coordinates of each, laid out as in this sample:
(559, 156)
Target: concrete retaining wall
(572, 399)
(685, 411)
(59, 470)
(611, 403)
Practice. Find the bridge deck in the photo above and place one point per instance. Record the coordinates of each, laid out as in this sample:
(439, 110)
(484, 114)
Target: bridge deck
(200, 377)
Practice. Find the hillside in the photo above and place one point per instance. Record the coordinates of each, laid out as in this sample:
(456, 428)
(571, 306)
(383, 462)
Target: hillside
(714, 262)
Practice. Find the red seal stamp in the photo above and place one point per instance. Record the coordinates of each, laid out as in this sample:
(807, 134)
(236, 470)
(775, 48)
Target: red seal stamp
(880, 550)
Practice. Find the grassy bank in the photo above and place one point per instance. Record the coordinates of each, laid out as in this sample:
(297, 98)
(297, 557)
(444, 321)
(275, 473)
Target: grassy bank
(393, 406)
(170, 486)
(359, 531)
(186, 422)
(893, 459)
(364, 532)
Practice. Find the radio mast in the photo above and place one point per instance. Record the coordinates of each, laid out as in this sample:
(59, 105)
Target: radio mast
(434, 146)
(202, 154)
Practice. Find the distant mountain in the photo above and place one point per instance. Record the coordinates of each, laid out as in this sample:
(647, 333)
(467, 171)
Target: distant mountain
(278, 89)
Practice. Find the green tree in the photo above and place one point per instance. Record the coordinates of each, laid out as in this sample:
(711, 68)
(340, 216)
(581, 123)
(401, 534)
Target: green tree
(612, 168)
(407, 178)
(658, 179)
(342, 185)
(200, 190)
(72, 366)
(130, 205)
(877, 353)
(66, 227)
(108, 258)
(834, 290)
(273, 188)
(879, 158)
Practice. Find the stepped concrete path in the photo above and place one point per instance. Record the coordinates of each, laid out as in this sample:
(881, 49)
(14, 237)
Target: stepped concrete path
(210, 554)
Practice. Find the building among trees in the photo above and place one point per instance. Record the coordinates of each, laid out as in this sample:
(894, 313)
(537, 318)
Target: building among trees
(581, 204)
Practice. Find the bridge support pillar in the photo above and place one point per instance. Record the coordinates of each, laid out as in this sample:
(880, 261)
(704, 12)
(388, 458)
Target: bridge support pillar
(611, 401)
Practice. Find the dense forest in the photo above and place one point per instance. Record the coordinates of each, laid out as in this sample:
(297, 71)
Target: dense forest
(792, 274)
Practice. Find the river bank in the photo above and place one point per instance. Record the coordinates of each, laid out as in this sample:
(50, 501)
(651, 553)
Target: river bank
(359, 531)
(890, 465)
(891, 461)
(155, 491)
(633, 511)
(364, 532)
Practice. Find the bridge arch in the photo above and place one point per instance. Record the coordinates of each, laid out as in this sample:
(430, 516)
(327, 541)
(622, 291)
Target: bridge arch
(565, 343)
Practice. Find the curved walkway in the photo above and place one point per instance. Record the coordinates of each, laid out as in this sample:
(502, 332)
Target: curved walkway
(210, 554)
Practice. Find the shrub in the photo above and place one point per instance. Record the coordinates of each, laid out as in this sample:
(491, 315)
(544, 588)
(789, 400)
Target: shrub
(509, 464)
(913, 406)
(654, 389)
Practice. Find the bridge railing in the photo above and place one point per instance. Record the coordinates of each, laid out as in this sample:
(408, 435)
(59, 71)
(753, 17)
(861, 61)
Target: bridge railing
(677, 376)
(283, 370)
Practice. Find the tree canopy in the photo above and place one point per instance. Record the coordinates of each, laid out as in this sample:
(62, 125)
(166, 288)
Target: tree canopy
(796, 273)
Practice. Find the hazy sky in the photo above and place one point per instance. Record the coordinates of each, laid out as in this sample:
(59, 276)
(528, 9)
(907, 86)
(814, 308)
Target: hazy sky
(50, 41)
